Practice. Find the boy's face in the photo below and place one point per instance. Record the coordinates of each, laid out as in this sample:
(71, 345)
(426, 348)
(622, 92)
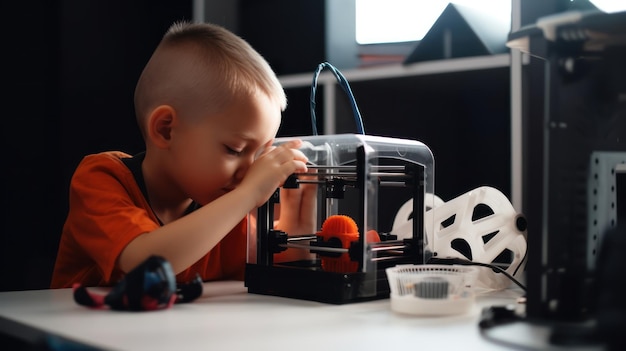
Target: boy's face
(209, 157)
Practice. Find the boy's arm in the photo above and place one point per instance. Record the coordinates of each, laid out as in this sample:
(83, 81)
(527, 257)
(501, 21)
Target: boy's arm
(184, 241)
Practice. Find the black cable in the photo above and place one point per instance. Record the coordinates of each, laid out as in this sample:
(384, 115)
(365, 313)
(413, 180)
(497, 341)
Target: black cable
(459, 261)
(484, 332)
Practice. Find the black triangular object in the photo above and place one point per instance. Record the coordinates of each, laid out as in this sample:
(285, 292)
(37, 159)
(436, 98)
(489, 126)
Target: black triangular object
(461, 31)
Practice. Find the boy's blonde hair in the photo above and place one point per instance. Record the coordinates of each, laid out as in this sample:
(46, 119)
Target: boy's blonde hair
(198, 68)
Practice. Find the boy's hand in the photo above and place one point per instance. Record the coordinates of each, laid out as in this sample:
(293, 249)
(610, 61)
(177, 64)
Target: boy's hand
(298, 209)
(272, 168)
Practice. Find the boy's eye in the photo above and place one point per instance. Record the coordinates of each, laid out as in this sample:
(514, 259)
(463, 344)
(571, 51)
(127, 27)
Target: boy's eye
(232, 151)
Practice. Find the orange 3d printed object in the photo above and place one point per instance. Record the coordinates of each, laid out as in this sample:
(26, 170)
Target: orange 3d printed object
(343, 231)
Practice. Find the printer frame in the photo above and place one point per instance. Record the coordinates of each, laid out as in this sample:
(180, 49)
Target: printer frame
(351, 172)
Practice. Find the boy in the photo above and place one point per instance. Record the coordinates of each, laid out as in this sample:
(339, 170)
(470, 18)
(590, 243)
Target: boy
(208, 107)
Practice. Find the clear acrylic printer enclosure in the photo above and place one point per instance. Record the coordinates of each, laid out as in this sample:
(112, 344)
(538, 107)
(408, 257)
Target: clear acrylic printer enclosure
(366, 178)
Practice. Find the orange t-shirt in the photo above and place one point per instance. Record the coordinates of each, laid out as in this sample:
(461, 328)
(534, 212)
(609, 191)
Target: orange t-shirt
(107, 210)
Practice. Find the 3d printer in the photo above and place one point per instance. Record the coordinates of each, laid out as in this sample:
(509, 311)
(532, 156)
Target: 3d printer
(357, 177)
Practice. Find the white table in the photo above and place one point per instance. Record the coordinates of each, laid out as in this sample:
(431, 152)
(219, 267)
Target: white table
(226, 317)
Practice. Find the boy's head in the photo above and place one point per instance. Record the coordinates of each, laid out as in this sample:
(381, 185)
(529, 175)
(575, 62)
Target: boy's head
(198, 69)
(207, 103)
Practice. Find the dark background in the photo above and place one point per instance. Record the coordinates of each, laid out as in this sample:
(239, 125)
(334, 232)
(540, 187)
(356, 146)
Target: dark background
(71, 67)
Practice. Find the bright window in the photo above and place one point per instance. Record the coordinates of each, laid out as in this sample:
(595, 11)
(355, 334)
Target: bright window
(389, 21)
(607, 5)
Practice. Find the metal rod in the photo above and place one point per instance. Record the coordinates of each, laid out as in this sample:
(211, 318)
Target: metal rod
(341, 250)
(388, 248)
(305, 181)
(390, 175)
(302, 237)
(314, 174)
(387, 258)
(394, 252)
(330, 167)
(328, 175)
(373, 174)
(382, 183)
(390, 168)
(377, 167)
(353, 175)
(316, 248)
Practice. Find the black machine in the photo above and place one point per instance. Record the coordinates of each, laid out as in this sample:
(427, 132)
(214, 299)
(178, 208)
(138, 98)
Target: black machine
(353, 242)
(574, 136)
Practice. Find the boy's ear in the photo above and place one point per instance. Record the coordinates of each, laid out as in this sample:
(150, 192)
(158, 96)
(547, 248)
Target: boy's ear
(160, 124)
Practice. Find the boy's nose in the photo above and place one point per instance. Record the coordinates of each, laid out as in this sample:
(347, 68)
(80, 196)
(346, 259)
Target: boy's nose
(243, 167)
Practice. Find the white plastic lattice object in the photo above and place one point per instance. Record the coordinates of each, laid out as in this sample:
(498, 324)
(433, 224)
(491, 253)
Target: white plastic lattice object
(431, 290)
(484, 238)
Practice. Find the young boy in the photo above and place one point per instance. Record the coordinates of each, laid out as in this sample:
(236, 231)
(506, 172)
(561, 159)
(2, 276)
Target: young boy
(209, 107)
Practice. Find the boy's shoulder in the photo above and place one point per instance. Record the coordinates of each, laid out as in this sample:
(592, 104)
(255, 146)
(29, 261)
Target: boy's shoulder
(103, 162)
(106, 156)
